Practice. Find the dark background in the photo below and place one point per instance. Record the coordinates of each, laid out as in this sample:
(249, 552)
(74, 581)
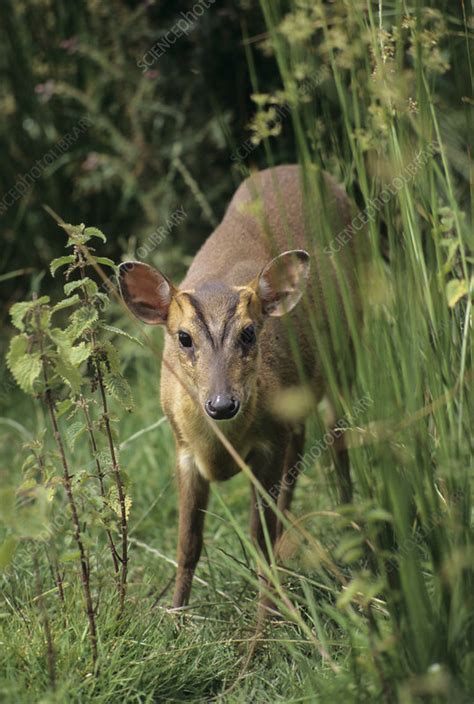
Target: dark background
(158, 140)
(63, 61)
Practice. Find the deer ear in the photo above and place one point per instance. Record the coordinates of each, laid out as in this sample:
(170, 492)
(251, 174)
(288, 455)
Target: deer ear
(281, 283)
(146, 292)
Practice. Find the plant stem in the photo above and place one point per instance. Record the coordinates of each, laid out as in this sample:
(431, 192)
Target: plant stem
(100, 474)
(122, 584)
(120, 490)
(85, 574)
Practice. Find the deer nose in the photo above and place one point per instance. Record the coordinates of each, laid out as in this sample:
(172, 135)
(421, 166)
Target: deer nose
(222, 407)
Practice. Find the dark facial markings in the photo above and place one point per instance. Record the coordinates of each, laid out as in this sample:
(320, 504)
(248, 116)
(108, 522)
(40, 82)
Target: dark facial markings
(229, 320)
(201, 318)
(246, 337)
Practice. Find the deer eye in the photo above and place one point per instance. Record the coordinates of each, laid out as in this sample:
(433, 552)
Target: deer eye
(248, 336)
(185, 339)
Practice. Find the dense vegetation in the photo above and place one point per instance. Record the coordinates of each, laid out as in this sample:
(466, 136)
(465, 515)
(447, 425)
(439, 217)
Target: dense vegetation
(377, 597)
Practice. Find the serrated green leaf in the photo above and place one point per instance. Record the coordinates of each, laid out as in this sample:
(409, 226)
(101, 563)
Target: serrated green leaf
(114, 502)
(73, 432)
(60, 338)
(67, 303)
(95, 232)
(68, 373)
(25, 366)
(61, 261)
(80, 353)
(112, 357)
(18, 347)
(105, 261)
(103, 298)
(118, 387)
(44, 318)
(118, 331)
(76, 234)
(81, 320)
(18, 311)
(85, 283)
(63, 407)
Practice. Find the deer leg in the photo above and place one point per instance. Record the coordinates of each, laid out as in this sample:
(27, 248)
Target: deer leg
(342, 465)
(268, 470)
(290, 474)
(193, 497)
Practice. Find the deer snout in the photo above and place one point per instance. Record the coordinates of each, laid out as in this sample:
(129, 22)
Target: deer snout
(222, 406)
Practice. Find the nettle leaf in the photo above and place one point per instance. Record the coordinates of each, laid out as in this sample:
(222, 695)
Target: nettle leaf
(115, 383)
(95, 232)
(82, 320)
(118, 331)
(103, 299)
(63, 407)
(112, 357)
(25, 366)
(87, 284)
(68, 372)
(105, 261)
(60, 338)
(44, 318)
(79, 353)
(18, 347)
(119, 388)
(69, 357)
(61, 261)
(74, 431)
(114, 502)
(77, 234)
(67, 303)
(19, 311)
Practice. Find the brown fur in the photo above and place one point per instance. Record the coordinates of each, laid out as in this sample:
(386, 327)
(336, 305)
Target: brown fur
(220, 296)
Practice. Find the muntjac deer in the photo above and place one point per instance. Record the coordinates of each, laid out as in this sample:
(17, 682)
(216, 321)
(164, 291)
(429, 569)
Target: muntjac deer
(227, 342)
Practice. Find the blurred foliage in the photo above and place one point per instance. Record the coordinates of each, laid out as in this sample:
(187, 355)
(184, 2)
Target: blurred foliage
(158, 140)
(162, 139)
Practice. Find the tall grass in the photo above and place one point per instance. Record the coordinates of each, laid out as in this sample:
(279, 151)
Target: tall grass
(407, 597)
(377, 597)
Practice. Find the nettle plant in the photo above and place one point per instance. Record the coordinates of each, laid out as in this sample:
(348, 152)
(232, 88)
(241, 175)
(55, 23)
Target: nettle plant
(74, 370)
